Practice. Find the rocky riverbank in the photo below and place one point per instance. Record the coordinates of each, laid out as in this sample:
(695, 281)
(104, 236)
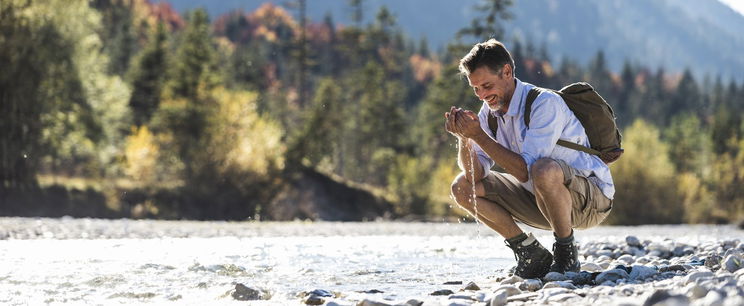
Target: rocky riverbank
(630, 272)
(92, 261)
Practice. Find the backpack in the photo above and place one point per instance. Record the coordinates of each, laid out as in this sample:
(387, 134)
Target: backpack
(592, 111)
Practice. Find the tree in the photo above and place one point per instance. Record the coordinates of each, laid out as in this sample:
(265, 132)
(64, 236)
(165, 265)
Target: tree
(488, 26)
(194, 59)
(148, 76)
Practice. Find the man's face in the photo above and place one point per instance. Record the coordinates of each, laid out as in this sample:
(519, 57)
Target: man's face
(495, 89)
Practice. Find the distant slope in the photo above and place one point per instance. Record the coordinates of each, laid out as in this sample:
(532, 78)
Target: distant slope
(703, 35)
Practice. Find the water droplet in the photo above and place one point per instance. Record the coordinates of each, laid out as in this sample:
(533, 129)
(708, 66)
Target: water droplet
(25, 156)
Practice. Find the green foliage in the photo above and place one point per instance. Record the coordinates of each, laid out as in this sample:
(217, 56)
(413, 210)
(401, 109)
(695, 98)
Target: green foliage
(645, 183)
(194, 62)
(147, 76)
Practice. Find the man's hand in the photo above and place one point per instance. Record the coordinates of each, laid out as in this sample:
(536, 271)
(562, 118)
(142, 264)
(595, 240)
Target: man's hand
(449, 123)
(462, 123)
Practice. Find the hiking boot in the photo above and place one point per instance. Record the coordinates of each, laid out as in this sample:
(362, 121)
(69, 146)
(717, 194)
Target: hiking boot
(566, 258)
(533, 260)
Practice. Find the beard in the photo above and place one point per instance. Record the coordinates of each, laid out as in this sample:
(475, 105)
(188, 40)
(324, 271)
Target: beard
(497, 103)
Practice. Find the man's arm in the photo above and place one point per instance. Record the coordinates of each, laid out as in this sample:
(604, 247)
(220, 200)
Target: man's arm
(467, 122)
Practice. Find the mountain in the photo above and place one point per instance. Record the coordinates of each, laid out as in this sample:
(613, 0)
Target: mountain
(702, 35)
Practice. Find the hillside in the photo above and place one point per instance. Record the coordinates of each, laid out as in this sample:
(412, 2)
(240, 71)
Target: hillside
(673, 34)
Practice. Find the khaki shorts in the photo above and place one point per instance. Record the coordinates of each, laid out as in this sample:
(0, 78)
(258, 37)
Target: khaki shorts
(590, 206)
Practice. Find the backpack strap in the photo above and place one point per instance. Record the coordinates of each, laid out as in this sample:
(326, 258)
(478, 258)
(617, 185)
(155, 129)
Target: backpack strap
(531, 96)
(493, 124)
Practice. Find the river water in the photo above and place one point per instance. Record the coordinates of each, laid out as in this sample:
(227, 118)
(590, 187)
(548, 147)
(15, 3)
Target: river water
(87, 261)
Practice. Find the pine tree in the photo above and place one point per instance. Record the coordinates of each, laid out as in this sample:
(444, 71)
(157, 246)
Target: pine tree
(148, 76)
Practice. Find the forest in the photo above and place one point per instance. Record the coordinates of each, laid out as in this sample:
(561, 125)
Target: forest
(129, 109)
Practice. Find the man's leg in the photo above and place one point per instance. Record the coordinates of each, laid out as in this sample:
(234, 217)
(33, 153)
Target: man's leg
(490, 213)
(553, 197)
(554, 200)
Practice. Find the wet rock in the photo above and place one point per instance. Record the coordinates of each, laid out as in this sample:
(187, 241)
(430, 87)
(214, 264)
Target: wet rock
(611, 275)
(531, 285)
(672, 268)
(713, 261)
(642, 272)
(663, 297)
(554, 276)
(732, 263)
(591, 267)
(368, 302)
(314, 300)
(320, 293)
(581, 278)
(559, 284)
(442, 292)
(633, 241)
(245, 293)
(498, 299)
(511, 280)
(472, 287)
(697, 275)
(509, 289)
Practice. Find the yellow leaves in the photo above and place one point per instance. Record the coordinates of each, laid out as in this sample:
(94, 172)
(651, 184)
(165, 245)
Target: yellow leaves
(141, 153)
(424, 69)
(645, 153)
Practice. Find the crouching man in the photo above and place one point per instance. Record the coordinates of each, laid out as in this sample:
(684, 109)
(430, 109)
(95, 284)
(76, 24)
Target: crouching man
(545, 185)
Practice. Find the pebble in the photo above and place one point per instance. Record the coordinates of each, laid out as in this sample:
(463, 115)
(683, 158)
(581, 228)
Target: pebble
(244, 293)
(611, 275)
(633, 241)
(554, 276)
(499, 299)
(511, 280)
(314, 300)
(642, 272)
(663, 297)
(442, 292)
(509, 289)
(695, 276)
(591, 267)
(531, 285)
(368, 302)
(626, 259)
(472, 287)
(732, 263)
(559, 284)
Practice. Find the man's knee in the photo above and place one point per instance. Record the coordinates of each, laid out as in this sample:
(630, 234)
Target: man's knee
(461, 189)
(546, 171)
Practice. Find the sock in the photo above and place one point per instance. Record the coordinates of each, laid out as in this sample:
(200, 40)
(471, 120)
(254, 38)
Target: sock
(564, 241)
(517, 239)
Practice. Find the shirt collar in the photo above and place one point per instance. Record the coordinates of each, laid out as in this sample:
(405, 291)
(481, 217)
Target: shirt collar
(515, 104)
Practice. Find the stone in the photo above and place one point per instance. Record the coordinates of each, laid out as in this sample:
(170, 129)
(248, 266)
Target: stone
(554, 276)
(314, 300)
(611, 275)
(320, 293)
(559, 284)
(462, 297)
(695, 291)
(442, 292)
(498, 299)
(626, 259)
(663, 297)
(697, 275)
(524, 297)
(245, 293)
(713, 298)
(642, 272)
(633, 241)
(591, 267)
(672, 268)
(509, 289)
(511, 280)
(472, 287)
(368, 302)
(453, 283)
(581, 278)
(732, 263)
(713, 261)
(531, 285)
(560, 298)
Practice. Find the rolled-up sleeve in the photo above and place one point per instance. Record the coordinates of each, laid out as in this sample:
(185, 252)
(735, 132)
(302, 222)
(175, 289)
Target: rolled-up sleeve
(546, 121)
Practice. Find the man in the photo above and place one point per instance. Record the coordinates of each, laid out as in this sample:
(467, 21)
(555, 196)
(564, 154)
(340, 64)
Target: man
(545, 186)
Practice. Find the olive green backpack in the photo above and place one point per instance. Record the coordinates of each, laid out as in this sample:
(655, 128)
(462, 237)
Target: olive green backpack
(594, 114)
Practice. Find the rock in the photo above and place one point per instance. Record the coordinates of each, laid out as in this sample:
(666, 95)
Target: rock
(642, 272)
(732, 263)
(509, 289)
(581, 278)
(607, 253)
(733, 251)
(663, 297)
(560, 298)
(695, 291)
(633, 241)
(368, 302)
(442, 292)
(531, 285)
(559, 284)
(591, 267)
(320, 293)
(608, 283)
(499, 299)
(694, 276)
(244, 293)
(524, 297)
(314, 300)
(512, 280)
(713, 261)
(372, 291)
(672, 268)
(472, 287)
(713, 298)
(611, 275)
(626, 259)
(413, 302)
(453, 283)
(462, 297)
(554, 276)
